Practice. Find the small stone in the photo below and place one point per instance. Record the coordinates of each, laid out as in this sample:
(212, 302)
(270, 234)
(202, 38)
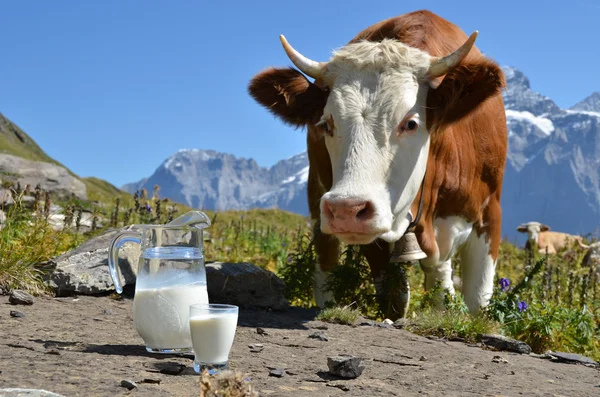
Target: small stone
(107, 312)
(345, 366)
(16, 313)
(128, 384)
(422, 358)
(278, 373)
(18, 297)
(291, 372)
(261, 331)
(319, 336)
(367, 323)
(387, 321)
(171, 368)
(54, 352)
(400, 323)
(256, 348)
(340, 386)
(573, 358)
(151, 381)
(499, 359)
(506, 344)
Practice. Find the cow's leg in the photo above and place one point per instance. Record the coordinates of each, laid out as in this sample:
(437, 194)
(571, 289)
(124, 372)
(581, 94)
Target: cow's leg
(478, 258)
(327, 249)
(450, 233)
(391, 281)
(478, 268)
(439, 273)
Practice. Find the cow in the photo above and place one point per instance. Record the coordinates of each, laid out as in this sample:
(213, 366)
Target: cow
(405, 127)
(540, 236)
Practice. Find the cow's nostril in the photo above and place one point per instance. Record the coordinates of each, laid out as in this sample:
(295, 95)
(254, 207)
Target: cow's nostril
(366, 212)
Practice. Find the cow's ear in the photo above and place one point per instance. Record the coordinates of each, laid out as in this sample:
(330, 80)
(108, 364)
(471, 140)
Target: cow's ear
(463, 89)
(522, 229)
(544, 228)
(289, 95)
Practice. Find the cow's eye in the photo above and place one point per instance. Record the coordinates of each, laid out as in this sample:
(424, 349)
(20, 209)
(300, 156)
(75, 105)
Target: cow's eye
(324, 126)
(410, 125)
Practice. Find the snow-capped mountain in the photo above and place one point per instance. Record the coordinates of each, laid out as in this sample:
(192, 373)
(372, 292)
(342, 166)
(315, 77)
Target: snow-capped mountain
(552, 172)
(219, 181)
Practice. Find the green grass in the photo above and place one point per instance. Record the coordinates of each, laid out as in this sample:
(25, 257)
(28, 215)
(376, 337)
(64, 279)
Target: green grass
(339, 315)
(562, 299)
(26, 240)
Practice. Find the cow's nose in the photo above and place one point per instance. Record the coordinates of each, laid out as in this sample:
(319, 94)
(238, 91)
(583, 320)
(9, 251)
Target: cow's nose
(348, 215)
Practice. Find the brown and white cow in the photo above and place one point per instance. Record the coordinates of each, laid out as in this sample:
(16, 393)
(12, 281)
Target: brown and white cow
(410, 108)
(545, 239)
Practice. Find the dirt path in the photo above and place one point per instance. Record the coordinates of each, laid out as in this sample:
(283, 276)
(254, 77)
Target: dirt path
(86, 346)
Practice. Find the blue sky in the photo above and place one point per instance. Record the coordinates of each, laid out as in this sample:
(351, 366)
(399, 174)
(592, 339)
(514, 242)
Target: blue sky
(112, 88)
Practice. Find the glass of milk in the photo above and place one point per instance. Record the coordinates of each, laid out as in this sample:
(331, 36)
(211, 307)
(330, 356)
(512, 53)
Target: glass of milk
(212, 327)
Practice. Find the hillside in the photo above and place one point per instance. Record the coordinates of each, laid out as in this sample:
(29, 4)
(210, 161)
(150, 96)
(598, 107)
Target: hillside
(15, 142)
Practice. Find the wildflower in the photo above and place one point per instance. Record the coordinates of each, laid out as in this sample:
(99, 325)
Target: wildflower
(522, 306)
(504, 284)
(283, 244)
(148, 208)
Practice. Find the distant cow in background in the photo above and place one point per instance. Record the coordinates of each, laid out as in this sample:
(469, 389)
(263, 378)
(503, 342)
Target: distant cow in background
(545, 239)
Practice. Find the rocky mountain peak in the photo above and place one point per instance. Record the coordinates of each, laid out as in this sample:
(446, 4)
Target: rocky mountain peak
(589, 104)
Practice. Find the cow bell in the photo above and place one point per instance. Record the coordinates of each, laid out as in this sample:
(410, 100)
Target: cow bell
(407, 249)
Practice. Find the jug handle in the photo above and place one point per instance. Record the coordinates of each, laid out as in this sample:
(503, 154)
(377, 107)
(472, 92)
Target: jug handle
(113, 255)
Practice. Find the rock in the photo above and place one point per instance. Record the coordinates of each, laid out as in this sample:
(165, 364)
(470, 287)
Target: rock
(278, 373)
(18, 314)
(170, 368)
(318, 335)
(506, 344)
(387, 321)
(401, 323)
(151, 381)
(422, 358)
(15, 392)
(244, 285)
(345, 366)
(261, 331)
(128, 384)
(573, 358)
(340, 386)
(18, 297)
(2, 217)
(50, 177)
(84, 270)
(256, 348)
(499, 359)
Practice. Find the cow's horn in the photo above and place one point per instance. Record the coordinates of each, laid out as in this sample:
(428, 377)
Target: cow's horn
(442, 65)
(309, 67)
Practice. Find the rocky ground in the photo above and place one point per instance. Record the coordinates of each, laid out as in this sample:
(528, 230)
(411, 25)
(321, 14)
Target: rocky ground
(87, 346)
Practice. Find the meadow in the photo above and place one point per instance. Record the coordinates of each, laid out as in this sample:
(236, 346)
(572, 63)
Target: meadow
(547, 301)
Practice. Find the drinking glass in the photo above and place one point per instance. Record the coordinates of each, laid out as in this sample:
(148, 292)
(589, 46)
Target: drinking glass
(212, 327)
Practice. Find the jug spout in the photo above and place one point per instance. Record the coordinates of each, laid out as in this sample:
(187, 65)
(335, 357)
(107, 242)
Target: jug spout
(197, 219)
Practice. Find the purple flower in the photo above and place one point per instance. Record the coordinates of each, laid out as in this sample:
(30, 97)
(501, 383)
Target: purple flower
(283, 244)
(148, 208)
(504, 284)
(522, 306)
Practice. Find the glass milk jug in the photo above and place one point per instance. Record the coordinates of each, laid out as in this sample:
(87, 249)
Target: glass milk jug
(171, 276)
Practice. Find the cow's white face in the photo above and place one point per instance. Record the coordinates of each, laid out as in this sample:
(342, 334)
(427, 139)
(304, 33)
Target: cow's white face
(533, 230)
(374, 128)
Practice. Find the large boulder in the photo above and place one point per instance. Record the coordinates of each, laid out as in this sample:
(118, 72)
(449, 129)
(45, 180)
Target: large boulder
(84, 271)
(50, 177)
(244, 284)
